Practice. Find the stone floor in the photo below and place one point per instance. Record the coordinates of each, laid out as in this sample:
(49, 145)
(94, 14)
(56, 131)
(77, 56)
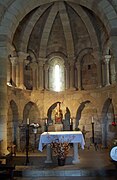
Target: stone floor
(93, 165)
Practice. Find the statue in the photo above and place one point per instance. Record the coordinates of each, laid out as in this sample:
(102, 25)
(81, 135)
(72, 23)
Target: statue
(66, 121)
(58, 115)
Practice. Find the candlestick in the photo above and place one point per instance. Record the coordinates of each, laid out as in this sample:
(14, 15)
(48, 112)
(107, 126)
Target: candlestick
(92, 120)
(28, 121)
(92, 130)
(27, 142)
(46, 126)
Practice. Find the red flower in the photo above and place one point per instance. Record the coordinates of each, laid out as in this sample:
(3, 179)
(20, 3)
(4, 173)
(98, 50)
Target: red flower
(113, 123)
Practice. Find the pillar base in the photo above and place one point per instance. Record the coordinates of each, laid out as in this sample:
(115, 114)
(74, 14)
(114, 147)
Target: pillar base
(100, 86)
(76, 161)
(48, 161)
(107, 84)
(22, 86)
(72, 89)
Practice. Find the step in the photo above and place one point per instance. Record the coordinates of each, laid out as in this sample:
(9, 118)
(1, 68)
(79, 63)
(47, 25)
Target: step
(30, 171)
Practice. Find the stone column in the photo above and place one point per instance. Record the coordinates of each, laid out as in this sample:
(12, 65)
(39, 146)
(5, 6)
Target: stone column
(9, 75)
(17, 74)
(3, 100)
(14, 63)
(34, 68)
(46, 67)
(22, 58)
(75, 157)
(107, 60)
(67, 79)
(40, 74)
(99, 73)
(78, 66)
(49, 154)
(20, 125)
(71, 75)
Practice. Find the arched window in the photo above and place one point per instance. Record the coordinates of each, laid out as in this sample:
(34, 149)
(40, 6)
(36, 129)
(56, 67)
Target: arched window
(57, 79)
(56, 74)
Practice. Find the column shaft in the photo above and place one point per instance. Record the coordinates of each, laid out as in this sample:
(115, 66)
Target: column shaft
(22, 58)
(107, 60)
(13, 62)
(79, 75)
(9, 75)
(71, 75)
(34, 68)
(3, 102)
(46, 83)
(49, 154)
(75, 158)
(67, 79)
(40, 73)
(99, 74)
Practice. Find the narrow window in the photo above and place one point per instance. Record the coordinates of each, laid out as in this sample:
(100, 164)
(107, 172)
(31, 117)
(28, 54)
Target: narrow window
(89, 67)
(57, 81)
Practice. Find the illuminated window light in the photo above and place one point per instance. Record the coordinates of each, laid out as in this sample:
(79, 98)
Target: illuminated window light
(57, 82)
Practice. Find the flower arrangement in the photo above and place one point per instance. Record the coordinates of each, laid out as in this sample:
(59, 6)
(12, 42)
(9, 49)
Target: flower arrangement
(35, 127)
(61, 149)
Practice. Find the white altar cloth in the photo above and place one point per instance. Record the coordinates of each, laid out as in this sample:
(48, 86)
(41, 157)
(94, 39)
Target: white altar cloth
(62, 136)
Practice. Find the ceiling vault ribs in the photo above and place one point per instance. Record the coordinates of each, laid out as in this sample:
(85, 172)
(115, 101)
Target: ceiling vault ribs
(89, 26)
(30, 25)
(47, 30)
(67, 30)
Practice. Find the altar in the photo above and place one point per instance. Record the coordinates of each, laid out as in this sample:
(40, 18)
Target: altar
(74, 137)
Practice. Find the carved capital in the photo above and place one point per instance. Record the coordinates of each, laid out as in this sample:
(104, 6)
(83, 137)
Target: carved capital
(22, 55)
(14, 61)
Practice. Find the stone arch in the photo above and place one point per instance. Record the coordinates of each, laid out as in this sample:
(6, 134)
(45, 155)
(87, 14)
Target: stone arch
(52, 107)
(49, 112)
(31, 111)
(12, 22)
(83, 52)
(32, 56)
(89, 72)
(105, 119)
(30, 25)
(79, 112)
(80, 58)
(13, 123)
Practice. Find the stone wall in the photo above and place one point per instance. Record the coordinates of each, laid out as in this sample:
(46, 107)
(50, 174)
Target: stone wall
(35, 104)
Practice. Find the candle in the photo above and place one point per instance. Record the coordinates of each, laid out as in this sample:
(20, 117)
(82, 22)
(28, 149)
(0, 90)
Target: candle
(92, 120)
(46, 121)
(28, 121)
(70, 120)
